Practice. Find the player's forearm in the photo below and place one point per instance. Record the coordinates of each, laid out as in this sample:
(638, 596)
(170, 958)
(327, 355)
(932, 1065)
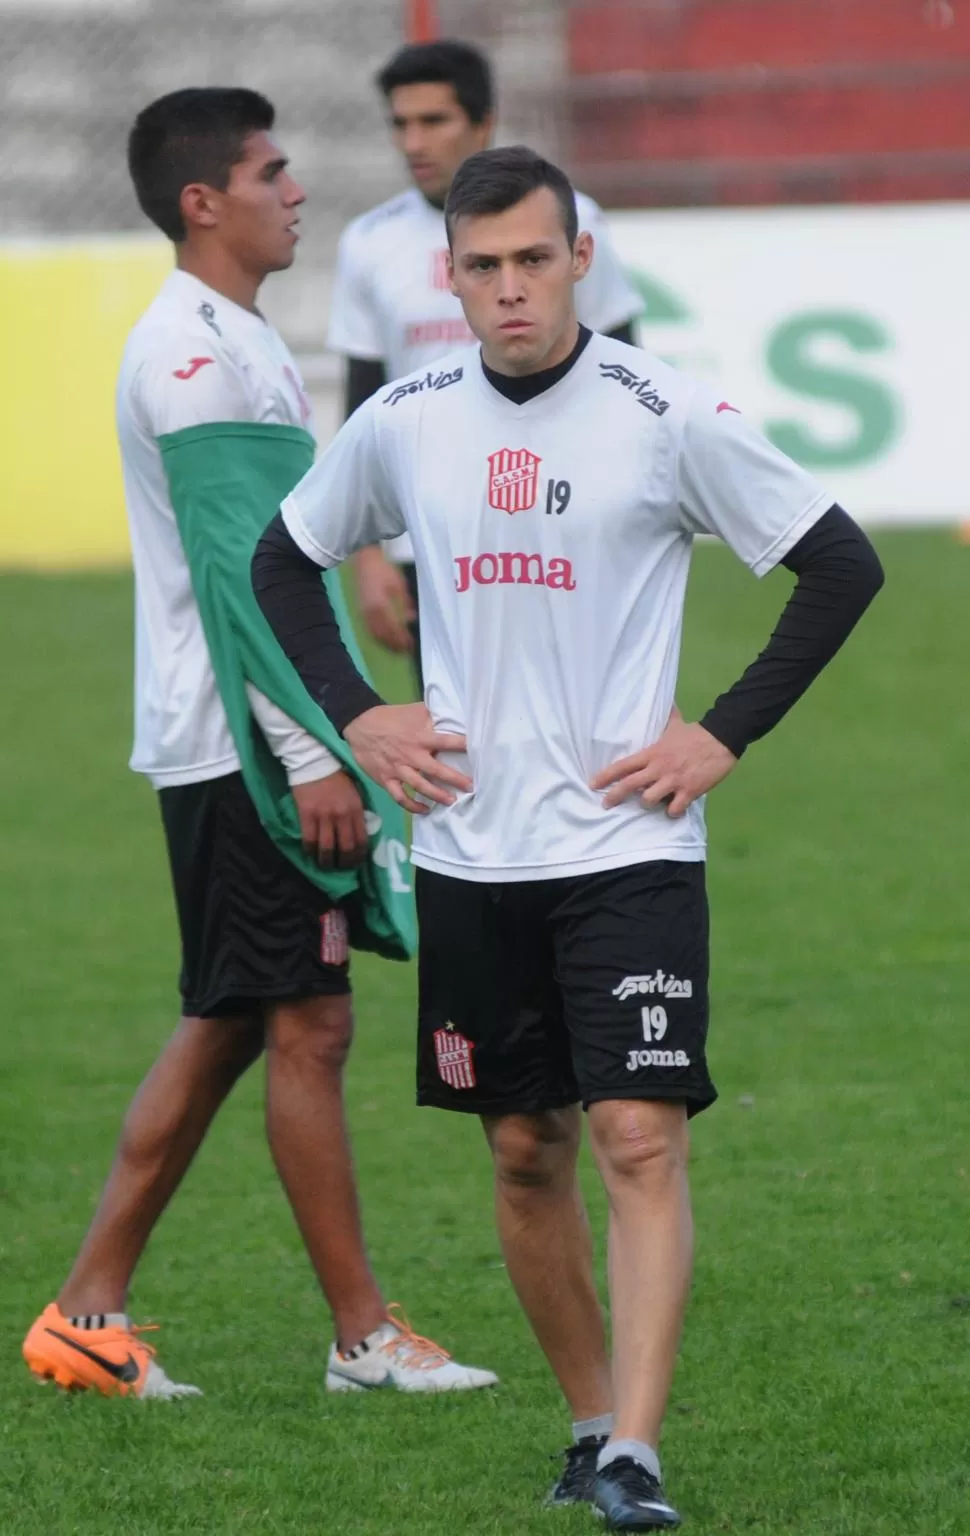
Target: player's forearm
(838, 575)
(298, 609)
(304, 758)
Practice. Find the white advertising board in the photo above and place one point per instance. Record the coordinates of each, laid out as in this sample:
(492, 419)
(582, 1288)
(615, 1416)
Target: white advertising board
(842, 332)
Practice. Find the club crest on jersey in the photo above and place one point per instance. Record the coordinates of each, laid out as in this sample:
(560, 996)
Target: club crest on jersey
(513, 479)
(454, 1055)
(641, 389)
(334, 938)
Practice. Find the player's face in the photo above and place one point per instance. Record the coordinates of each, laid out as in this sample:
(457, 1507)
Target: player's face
(434, 134)
(515, 273)
(256, 217)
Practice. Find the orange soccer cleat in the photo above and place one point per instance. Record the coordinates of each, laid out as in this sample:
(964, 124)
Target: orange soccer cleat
(112, 1360)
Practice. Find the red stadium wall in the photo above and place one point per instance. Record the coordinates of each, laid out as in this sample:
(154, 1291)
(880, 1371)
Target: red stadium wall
(761, 101)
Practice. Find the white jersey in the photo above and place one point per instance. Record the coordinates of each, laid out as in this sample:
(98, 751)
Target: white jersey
(392, 299)
(552, 541)
(194, 357)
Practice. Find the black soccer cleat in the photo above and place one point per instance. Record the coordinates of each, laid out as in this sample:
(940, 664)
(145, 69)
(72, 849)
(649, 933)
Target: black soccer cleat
(578, 1477)
(629, 1498)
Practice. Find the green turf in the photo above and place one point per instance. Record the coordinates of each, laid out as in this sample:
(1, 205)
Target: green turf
(825, 1382)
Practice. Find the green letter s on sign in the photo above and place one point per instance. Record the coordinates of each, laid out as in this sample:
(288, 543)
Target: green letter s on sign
(791, 363)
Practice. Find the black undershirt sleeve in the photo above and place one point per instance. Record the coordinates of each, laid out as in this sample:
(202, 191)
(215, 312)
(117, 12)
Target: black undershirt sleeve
(363, 377)
(838, 574)
(298, 609)
(623, 332)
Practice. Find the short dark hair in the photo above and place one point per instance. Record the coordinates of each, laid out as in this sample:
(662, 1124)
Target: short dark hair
(495, 179)
(197, 134)
(456, 64)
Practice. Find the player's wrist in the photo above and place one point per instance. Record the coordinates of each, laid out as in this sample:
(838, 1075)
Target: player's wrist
(727, 733)
(349, 710)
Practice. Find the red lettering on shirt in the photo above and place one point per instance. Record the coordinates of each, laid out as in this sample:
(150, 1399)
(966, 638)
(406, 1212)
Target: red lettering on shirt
(440, 270)
(516, 568)
(425, 332)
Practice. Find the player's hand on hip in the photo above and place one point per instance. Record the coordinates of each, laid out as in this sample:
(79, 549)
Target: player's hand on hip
(332, 821)
(397, 746)
(684, 764)
(383, 599)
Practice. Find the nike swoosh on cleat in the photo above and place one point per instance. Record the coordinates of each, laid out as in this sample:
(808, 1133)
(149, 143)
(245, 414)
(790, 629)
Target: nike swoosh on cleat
(368, 1386)
(127, 1371)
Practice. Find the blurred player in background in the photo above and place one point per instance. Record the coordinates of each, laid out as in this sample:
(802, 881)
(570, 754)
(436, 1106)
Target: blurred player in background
(392, 309)
(553, 483)
(264, 947)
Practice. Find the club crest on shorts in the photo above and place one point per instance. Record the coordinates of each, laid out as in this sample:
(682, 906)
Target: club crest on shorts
(454, 1053)
(334, 938)
(513, 479)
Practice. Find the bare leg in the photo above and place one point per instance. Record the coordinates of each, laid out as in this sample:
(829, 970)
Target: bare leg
(641, 1150)
(545, 1238)
(306, 1047)
(162, 1132)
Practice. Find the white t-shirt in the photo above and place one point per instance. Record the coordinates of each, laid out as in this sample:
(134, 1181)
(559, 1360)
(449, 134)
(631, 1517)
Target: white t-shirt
(392, 299)
(552, 543)
(194, 357)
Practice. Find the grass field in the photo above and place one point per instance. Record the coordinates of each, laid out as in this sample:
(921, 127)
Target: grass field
(824, 1388)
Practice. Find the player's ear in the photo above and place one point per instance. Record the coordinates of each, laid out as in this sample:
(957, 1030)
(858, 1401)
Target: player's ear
(197, 205)
(485, 131)
(582, 255)
(451, 274)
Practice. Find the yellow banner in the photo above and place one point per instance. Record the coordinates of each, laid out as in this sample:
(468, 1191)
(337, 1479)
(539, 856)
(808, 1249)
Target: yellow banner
(66, 308)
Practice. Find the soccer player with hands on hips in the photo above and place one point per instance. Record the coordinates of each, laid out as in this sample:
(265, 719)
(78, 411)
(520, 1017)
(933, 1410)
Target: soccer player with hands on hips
(279, 853)
(552, 484)
(392, 309)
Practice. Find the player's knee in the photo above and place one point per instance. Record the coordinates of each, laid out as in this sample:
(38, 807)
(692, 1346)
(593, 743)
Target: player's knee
(219, 1049)
(241, 1044)
(533, 1151)
(313, 1035)
(634, 1140)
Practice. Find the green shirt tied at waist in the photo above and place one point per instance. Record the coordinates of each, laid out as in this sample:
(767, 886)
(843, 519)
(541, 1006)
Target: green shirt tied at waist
(227, 480)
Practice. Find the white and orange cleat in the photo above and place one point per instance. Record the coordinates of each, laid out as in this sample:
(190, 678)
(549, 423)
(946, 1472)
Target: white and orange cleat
(396, 1357)
(113, 1360)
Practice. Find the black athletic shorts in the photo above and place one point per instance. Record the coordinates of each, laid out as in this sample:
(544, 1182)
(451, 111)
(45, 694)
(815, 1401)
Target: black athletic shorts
(254, 930)
(535, 995)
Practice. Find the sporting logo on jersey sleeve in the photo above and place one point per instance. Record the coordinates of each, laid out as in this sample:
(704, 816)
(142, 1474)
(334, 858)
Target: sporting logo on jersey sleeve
(643, 390)
(513, 479)
(426, 381)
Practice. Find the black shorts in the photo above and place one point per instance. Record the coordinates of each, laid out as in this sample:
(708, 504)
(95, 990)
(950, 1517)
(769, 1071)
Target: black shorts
(535, 995)
(254, 930)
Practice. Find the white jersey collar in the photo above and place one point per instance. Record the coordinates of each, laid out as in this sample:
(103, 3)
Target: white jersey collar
(187, 289)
